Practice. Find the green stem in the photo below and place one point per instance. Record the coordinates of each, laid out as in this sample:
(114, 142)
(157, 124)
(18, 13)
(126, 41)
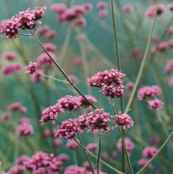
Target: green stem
(156, 154)
(115, 38)
(101, 161)
(86, 155)
(129, 162)
(123, 151)
(98, 156)
(141, 68)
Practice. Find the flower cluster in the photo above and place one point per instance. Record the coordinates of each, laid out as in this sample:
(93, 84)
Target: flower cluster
(92, 147)
(150, 93)
(68, 129)
(74, 169)
(74, 14)
(39, 163)
(147, 154)
(169, 66)
(17, 107)
(46, 32)
(110, 82)
(129, 145)
(24, 128)
(155, 10)
(11, 69)
(27, 19)
(95, 121)
(128, 8)
(102, 8)
(158, 9)
(124, 120)
(66, 103)
(72, 144)
(9, 55)
(36, 68)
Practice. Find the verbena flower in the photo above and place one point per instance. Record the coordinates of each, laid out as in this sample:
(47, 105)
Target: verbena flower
(124, 120)
(26, 19)
(110, 82)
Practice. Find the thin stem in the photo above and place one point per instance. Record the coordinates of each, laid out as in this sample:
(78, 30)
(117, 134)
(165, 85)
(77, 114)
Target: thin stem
(141, 68)
(101, 161)
(156, 154)
(129, 162)
(116, 44)
(115, 38)
(98, 156)
(86, 155)
(64, 73)
(116, 53)
(123, 153)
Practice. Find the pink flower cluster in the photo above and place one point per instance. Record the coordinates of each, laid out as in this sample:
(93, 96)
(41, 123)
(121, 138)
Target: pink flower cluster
(11, 69)
(35, 69)
(9, 55)
(110, 82)
(74, 14)
(92, 147)
(150, 93)
(75, 170)
(155, 10)
(50, 47)
(24, 128)
(39, 163)
(27, 19)
(79, 170)
(124, 120)
(102, 8)
(95, 121)
(128, 8)
(169, 66)
(147, 154)
(66, 103)
(158, 9)
(129, 145)
(163, 46)
(68, 129)
(17, 107)
(72, 144)
(46, 32)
